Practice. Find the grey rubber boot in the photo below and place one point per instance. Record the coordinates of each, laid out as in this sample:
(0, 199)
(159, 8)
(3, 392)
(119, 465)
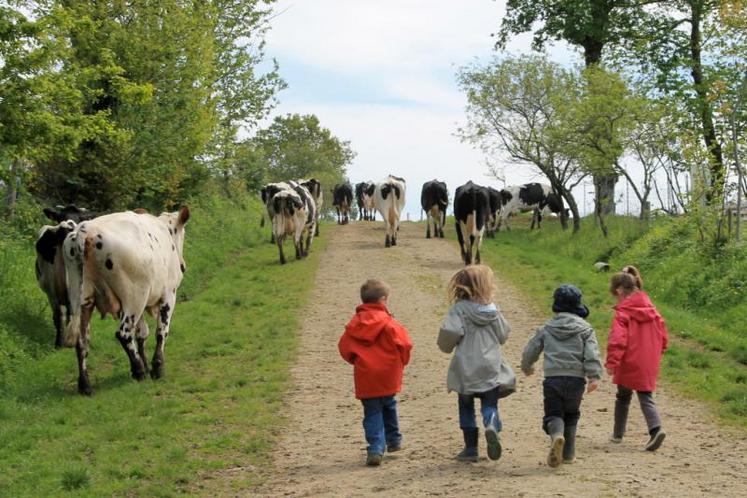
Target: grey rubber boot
(469, 453)
(622, 406)
(555, 428)
(569, 448)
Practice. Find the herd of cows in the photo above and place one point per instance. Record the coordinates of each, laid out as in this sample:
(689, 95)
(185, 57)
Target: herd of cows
(129, 263)
(294, 208)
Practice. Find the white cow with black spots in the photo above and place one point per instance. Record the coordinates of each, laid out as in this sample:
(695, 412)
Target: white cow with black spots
(389, 198)
(125, 264)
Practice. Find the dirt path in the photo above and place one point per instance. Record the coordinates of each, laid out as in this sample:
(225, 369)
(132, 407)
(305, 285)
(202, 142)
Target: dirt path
(322, 452)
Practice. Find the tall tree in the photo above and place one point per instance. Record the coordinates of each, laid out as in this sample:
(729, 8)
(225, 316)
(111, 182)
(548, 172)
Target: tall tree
(588, 24)
(515, 107)
(297, 146)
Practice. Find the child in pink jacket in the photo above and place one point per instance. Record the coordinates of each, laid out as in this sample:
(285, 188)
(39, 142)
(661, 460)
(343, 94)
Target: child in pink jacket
(637, 340)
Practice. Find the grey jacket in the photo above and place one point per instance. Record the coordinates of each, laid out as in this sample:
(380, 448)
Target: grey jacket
(570, 347)
(477, 332)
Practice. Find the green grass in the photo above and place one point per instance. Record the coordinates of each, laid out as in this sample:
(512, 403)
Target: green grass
(219, 405)
(706, 360)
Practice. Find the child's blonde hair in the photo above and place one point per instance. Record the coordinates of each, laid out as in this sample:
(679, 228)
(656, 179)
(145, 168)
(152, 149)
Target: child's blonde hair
(473, 282)
(373, 290)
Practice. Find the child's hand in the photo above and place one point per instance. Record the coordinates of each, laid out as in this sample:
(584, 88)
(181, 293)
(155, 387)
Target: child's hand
(610, 371)
(593, 385)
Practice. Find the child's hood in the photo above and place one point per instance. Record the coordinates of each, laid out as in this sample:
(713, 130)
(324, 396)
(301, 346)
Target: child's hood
(639, 307)
(563, 326)
(369, 321)
(480, 314)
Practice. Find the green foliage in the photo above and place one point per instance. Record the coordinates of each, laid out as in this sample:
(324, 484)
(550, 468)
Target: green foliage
(296, 146)
(121, 104)
(226, 373)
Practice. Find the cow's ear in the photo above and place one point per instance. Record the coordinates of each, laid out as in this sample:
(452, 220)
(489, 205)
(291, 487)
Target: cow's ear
(53, 214)
(183, 216)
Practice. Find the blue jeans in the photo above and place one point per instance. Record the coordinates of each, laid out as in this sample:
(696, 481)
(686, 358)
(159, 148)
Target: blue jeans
(380, 423)
(488, 407)
(563, 397)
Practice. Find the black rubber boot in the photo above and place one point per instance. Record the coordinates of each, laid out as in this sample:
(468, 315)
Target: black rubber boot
(555, 429)
(622, 407)
(569, 448)
(469, 453)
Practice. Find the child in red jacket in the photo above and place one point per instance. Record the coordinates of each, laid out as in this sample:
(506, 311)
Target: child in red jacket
(637, 340)
(378, 347)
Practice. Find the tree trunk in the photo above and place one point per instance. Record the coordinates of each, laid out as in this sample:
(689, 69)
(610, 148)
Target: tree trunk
(13, 187)
(717, 177)
(568, 196)
(604, 188)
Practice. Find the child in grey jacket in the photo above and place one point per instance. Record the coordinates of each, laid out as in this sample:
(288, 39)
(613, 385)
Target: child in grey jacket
(475, 330)
(571, 357)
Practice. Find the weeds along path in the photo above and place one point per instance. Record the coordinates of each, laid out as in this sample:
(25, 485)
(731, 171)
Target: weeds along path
(322, 450)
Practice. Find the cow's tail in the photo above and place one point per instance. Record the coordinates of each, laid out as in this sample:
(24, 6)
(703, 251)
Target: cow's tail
(74, 250)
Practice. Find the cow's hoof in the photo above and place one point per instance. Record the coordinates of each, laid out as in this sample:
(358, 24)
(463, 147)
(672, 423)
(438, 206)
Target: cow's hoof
(441, 235)
(428, 235)
(138, 375)
(84, 387)
(394, 242)
(157, 372)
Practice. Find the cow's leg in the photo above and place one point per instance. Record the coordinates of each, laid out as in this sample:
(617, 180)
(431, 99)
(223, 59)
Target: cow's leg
(316, 228)
(428, 226)
(460, 238)
(298, 243)
(388, 240)
(309, 238)
(81, 349)
(141, 335)
(279, 241)
(471, 246)
(165, 312)
(57, 319)
(126, 335)
(272, 237)
(395, 232)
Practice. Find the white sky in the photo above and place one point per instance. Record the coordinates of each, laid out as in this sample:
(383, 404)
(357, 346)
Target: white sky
(382, 75)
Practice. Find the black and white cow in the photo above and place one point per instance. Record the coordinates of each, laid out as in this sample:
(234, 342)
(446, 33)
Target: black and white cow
(471, 214)
(50, 264)
(315, 189)
(309, 229)
(342, 199)
(289, 219)
(364, 199)
(494, 196)
(267, 193)
(124, 264)
(434, 199)
(534, 197)
(389, 199)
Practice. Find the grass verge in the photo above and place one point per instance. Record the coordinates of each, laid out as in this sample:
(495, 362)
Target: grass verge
(217, 407)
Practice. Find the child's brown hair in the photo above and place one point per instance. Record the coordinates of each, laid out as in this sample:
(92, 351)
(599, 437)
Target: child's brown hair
(473, 282)
(633, 271)
(629, 280)
(373, 290)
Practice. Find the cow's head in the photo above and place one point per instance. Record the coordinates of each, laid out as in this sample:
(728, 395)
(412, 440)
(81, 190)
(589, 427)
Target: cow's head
(70, 212)
(175, 222)
(51, 238)
(506, 196)
(315, 188)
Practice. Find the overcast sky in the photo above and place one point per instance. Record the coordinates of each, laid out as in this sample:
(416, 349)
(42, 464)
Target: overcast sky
(382, 75)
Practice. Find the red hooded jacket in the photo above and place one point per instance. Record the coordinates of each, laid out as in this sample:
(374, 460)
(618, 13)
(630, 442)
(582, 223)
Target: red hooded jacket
(637, 340)
(379, 348)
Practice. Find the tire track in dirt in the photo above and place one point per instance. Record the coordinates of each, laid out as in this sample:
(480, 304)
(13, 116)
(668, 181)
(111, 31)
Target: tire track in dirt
(322, 451)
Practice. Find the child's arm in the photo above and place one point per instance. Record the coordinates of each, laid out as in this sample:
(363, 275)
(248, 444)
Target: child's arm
(402, 341)
(592, 363)
(617, 343)
(345, 348)
(532, 351)
(451, 332)
(664, 335)
(503, 329)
